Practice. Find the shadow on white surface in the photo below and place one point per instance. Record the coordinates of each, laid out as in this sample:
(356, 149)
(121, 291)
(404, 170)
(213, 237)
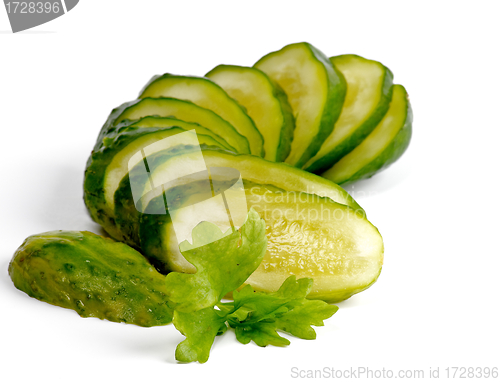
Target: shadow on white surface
(5, 280)
(382, 182)
(61, 203)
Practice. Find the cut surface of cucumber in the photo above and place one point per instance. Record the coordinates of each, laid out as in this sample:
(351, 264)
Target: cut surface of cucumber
(308, 236)
(382, 147)
(315, 91)
(207, 94)
(265, 103)
(369, 89)
(172, 107)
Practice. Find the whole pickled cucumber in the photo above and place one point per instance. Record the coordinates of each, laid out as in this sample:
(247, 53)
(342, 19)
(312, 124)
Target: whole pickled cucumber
(93, 275)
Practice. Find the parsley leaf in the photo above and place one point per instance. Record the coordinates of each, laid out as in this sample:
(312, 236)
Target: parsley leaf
(200, 328)
(222, 266)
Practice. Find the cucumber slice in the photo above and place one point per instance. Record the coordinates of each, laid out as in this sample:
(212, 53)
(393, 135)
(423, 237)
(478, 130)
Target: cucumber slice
(107, 167)
(171, 107)
(147, 122)
(308, 236)
(265, 103)
(315, 91)
(209, 95)
(382, 147)
(369, 90)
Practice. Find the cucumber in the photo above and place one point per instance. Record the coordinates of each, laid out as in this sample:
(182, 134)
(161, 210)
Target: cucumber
(252, 169)
(308, 236)
(147, 122)
(168, 107)
(315, 90)
(108, 165)
(93, 275)
(382, 147)
(209, 95)
(265, 103)
(369, 90)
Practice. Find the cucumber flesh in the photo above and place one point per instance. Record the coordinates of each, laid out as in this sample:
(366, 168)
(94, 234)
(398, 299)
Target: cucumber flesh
(308, 236)
(265, 103)
(147, 122)
(315, 91)
(207, 94)
(369, 90)
(186, 111)
(382, 147)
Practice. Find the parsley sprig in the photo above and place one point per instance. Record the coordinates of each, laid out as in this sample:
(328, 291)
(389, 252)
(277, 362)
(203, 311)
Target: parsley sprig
(223, 266)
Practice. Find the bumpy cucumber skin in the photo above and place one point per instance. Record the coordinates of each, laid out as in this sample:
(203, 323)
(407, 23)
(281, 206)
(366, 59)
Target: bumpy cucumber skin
(93, 275)
(256, 149)
(327, 161)
(333, 104)
(288, 126)
(391, 154)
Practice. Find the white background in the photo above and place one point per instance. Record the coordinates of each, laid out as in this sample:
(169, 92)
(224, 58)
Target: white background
(436, 303)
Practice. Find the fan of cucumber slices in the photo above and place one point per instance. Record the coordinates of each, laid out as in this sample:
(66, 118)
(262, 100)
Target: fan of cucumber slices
(296, 122)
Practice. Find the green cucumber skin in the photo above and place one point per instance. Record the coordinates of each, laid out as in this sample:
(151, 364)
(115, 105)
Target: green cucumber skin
(392, 152)
(288, 126)
(257, 136)
(327, 161)
(333, 105)
(93, 275)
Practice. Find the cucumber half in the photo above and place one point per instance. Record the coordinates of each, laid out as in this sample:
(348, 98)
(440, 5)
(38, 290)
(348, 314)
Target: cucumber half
(308, 236)
(172, 107)
(369, 89)
(315, 91)
(265, 103)
(207, 94)
(382, 147)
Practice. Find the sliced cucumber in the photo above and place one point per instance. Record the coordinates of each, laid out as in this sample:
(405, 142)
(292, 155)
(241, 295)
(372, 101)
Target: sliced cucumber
(315, 91)
(265, 103)
(171, 107)
(209, 95)
(369, 89)
(147, 122)
(107, 167)
(382, 147)
(308, 236)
